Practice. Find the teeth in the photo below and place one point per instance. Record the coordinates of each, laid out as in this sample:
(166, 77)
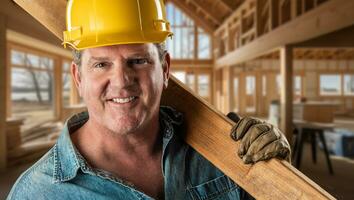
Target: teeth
(123, 100)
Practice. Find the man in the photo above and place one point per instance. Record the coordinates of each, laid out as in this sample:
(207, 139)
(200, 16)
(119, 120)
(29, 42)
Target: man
(126, 146)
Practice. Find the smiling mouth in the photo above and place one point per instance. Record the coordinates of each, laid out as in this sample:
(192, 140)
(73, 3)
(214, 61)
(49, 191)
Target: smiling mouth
(124, 100)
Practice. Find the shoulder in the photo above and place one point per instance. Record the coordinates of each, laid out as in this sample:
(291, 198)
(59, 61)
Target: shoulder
(36, 180)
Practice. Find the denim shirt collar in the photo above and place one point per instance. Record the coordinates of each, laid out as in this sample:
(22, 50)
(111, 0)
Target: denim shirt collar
(68, 160)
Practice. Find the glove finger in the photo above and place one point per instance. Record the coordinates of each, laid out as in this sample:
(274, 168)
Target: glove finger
(276, 149)
(263, 154)
(261, 142)
(252, 134)
(239, 130)
(233, 116)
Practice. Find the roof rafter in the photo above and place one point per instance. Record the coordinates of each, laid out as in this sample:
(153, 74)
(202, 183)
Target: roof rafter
(208, 27)
(231, 4)
(215, 17)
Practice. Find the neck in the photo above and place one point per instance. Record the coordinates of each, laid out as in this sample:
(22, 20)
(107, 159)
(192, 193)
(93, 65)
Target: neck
(99, 145)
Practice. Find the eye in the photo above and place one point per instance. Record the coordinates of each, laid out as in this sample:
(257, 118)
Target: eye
(101, 65)
(138, 61)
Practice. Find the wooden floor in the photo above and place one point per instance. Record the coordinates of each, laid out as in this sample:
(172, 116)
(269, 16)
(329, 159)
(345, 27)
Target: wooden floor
(341, 184)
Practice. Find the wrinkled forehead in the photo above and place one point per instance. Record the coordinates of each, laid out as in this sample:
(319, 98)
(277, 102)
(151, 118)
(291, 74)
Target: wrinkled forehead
(122, 50)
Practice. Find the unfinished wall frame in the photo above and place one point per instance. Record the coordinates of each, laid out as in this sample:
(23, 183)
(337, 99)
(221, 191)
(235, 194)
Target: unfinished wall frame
(196, 72)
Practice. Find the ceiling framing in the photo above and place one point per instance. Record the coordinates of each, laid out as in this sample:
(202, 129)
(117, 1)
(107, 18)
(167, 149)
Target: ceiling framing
(317, 54)
(208, 14)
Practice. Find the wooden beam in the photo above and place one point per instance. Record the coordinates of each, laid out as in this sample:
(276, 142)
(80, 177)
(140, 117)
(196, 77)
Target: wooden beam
(3, 89)
(286, 94)
(341, 39)
(198, 62)
(214, 16)
(207, 131)
(330, 16)
(41, 45)
(231, 4)
(208, 27)
(226, 6)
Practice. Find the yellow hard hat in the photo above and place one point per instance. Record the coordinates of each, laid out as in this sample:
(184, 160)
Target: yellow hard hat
(94, 23)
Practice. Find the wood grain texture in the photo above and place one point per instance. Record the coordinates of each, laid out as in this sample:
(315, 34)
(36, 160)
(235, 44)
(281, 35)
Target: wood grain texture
(207, 132)
(49, 13)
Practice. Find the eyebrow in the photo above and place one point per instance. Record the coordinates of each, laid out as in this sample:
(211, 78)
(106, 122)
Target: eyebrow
(93, 59)
(132, 56)
(140, 55)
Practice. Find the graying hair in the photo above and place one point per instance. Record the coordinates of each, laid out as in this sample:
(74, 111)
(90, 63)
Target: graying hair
(161, 48)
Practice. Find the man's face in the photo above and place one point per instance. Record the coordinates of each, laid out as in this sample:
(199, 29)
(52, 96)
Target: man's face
(122, 85)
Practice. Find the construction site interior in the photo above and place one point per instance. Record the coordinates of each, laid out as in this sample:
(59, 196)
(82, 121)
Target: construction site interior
(290, 62)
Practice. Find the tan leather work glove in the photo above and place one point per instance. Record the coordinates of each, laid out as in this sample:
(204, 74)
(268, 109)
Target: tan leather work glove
(259, 140)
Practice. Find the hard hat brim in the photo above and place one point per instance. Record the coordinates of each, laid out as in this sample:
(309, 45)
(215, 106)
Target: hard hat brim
(109, 40)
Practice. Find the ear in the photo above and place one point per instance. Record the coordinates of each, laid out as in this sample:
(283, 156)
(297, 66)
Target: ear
(166, 69)
(76, 76)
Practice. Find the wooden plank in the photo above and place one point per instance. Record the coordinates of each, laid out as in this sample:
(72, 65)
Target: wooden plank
(219, 149)
(3, 89)
(207, 131)
(286, 94)
(330, 16)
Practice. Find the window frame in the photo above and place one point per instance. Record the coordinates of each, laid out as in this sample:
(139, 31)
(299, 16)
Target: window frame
(196, 35)
(320, 94)
(343, 82)
(57, 74)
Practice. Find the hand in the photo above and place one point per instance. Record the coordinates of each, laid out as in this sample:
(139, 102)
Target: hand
(259, 140)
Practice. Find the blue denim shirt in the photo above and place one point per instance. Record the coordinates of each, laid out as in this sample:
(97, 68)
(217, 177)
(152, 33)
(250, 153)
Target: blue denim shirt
(62, 173)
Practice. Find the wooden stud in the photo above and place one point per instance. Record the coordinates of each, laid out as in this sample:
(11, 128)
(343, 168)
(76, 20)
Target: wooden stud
(293, 6)
(3, 93)
(196, 43)
(58, 84)
(273, 14)
(242, 93)
(8, 81)
(230, 89)
(286, 95)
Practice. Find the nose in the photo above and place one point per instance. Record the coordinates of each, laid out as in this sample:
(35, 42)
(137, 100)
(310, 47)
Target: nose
(121, 76)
